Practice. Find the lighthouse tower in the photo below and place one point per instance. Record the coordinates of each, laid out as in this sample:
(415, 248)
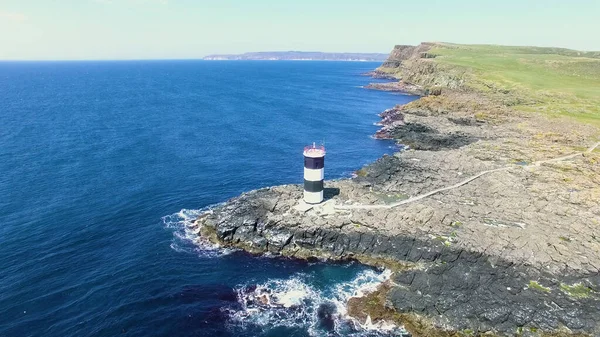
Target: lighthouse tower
(314, 167)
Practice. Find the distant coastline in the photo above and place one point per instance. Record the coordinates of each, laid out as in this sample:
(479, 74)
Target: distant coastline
(298, 56)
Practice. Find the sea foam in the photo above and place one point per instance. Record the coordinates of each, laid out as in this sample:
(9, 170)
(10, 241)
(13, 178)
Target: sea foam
(295, 302)
(186, 236)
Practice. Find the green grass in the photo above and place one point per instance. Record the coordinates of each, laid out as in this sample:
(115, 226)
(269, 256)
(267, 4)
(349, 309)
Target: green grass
(555, 81)
(577, 290)
(535, 285)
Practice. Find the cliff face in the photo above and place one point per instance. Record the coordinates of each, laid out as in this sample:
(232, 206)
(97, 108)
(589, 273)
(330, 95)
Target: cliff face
(401, 53)
(413, 65)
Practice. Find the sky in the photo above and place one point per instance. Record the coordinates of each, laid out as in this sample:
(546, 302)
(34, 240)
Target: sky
(173, 29)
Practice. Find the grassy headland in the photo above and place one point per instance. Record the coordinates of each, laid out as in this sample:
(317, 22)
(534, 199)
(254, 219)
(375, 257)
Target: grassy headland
(554, 81)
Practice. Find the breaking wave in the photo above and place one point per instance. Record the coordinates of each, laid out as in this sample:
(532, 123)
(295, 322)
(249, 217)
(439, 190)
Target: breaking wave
(296, 303)
(300, 302)
(186, 236)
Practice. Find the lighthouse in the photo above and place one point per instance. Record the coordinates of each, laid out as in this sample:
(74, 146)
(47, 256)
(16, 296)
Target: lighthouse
(314, 167)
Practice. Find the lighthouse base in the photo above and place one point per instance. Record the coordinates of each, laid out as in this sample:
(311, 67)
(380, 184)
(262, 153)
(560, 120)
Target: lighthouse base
(313, 197)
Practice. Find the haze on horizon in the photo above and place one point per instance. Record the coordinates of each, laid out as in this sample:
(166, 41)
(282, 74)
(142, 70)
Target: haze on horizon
(173, 29)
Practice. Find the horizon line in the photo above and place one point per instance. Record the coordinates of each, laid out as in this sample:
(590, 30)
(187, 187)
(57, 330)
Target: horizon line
(201, 58)
(173, 59)
(188, 58)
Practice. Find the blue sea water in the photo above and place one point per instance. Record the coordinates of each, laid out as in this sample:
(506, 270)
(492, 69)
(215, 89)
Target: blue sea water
(102, 164)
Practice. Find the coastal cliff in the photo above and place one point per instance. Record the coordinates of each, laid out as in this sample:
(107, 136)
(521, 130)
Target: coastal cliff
(490, 216)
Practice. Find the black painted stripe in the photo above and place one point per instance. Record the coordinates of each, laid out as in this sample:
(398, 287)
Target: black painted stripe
(314, 163)
(313, 186)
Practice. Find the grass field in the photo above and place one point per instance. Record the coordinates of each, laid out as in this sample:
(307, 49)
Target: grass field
(559, 82)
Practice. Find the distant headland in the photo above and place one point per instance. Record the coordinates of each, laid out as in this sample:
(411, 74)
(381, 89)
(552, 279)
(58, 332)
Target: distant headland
(299, 56)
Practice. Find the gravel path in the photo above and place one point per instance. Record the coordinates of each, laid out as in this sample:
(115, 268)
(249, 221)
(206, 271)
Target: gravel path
(464, 182)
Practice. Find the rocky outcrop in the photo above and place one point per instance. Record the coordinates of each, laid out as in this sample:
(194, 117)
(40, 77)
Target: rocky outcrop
(457, 289)
(430, 74)
(379, 75)
(391, 119)
(417, 72)
(479, 293)
(402, 53)
(470, 260)
(403, 87)
(513, 252)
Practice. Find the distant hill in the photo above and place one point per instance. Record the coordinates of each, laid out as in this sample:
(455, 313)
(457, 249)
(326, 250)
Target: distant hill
(301, 55)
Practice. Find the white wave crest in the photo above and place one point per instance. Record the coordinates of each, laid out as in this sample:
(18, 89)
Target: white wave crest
(292, 302)
(186, 233)
(295, 303)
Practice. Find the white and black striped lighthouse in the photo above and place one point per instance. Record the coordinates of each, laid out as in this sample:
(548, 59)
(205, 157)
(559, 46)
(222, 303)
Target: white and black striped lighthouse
(314, 173)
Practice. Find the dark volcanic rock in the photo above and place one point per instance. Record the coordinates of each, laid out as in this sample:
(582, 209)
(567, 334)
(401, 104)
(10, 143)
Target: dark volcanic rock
(455, 288)
(471, 292)
(380, 75)
(401, 86)
(390, 120)
(423, 137)
(326, 315)
(390, 117)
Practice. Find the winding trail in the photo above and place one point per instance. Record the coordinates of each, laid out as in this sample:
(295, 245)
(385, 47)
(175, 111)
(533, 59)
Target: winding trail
(464, 182)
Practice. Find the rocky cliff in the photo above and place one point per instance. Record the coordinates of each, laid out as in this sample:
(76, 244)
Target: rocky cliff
(414, 65)
(490, 220)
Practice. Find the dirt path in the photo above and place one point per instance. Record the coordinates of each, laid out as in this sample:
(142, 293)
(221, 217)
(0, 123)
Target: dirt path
(464, 182)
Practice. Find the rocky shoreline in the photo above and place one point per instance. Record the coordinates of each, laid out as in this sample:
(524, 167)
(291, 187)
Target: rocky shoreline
(514, 252)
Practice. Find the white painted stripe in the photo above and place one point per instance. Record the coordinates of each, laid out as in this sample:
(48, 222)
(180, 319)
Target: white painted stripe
(313, 197)
(314, 175)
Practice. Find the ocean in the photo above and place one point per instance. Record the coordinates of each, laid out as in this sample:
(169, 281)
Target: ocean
(103, 163)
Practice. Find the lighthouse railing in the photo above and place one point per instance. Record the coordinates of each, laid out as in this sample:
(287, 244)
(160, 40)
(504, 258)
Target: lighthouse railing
(311, 148)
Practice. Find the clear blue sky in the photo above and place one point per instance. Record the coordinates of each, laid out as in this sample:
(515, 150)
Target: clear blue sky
(139, 29)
